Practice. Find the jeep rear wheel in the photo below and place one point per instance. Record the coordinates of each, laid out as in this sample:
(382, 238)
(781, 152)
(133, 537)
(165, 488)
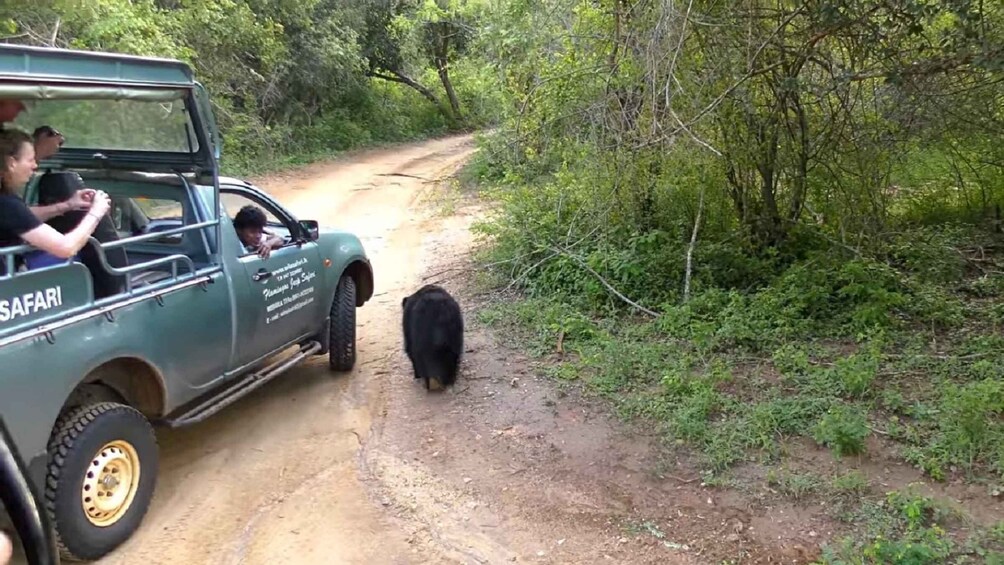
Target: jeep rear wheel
(102, 470)
(342, 338)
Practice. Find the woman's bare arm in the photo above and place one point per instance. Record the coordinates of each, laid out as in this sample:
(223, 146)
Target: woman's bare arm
(46, 238)
(81, 200)
(43, 213)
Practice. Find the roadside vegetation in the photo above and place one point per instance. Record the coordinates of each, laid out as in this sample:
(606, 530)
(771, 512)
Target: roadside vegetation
(773, 232)
(291, 81)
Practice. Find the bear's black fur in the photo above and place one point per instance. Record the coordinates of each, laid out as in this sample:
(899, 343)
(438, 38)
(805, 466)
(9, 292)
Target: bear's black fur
(433, 334)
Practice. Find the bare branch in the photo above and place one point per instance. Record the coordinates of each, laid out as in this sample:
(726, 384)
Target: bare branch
(14, 37)
(690, 248)
(402, 78)
(603, 281)
(55, 32)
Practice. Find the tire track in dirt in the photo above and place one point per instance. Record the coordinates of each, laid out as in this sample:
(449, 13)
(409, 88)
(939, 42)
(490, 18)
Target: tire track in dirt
(275, 477)
(368, 467)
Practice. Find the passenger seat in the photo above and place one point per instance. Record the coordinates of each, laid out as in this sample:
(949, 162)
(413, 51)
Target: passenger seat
(58, 186)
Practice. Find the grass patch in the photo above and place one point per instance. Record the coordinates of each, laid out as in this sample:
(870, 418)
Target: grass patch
(906, 528)
(941, 403)
(841, 358)
(888, 350)
(853, 483)
(796, 486)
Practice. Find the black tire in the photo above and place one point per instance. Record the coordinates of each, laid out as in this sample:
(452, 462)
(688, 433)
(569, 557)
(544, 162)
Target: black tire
(342, 338)
(74, 447)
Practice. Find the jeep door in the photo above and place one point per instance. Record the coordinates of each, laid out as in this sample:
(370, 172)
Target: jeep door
(278, 299)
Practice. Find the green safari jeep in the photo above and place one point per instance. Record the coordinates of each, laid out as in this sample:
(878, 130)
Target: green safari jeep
(165, 317)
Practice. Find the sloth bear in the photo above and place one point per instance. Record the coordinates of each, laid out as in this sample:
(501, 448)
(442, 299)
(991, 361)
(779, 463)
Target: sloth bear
(433, 334)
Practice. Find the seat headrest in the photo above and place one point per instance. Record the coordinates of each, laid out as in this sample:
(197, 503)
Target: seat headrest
(58, 186)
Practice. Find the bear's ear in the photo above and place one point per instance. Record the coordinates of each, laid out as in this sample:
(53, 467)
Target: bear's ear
(404, 301)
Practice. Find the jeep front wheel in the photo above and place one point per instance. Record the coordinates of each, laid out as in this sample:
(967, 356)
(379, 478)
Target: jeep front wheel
(102, 470)
(342, 338)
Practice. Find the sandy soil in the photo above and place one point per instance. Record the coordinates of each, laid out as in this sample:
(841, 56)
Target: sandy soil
(368, 467)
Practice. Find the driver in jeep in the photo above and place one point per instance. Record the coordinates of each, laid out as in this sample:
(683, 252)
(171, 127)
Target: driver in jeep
(250, 224)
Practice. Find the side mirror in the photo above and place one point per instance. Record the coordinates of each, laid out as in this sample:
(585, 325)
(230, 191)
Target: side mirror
(311, 229)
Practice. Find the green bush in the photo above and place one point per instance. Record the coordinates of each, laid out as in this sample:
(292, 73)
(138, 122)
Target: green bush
(843, 429)
(856, 373)
(930, 252)
(970, 433)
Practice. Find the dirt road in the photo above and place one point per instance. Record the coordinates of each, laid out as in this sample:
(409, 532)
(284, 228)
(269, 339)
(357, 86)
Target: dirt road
(278, 478)
(370, 468)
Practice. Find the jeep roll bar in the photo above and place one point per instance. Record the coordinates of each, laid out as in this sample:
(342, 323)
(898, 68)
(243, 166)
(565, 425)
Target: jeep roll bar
(104, 306)
(33, 524)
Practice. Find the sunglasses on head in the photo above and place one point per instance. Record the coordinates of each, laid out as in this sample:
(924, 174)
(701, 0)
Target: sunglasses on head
(55, 133)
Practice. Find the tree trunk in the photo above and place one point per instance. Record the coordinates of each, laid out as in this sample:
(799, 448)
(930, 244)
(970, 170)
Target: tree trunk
(800, 139)
(442, 67)
(770, 227)
(444, 75)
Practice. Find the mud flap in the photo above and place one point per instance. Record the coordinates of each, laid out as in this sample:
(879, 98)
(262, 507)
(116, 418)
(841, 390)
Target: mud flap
(325, 336)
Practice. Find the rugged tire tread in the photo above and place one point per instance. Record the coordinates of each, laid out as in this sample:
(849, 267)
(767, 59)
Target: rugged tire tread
(65, 434)
(342, 339)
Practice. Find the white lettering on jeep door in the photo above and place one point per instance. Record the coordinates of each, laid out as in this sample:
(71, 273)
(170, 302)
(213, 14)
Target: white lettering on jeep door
(289, 278)
(30, 303)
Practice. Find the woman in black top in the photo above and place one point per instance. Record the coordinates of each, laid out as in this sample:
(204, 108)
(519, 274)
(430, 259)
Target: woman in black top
(21, 224)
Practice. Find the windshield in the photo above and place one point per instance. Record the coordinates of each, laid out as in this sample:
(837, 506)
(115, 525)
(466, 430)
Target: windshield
(130, 125)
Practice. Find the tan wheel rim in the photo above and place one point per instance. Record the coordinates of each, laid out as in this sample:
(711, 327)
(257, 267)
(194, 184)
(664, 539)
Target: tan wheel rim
(110, 483)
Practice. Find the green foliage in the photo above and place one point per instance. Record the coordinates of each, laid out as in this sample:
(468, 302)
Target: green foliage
(125, 27)
(794, 195)
(966, 432)
(843, 429)
(931, 253)
(856, 373)
(930, 548)
(289, 79)
(804, 194)
(845, 204)
(910, 529)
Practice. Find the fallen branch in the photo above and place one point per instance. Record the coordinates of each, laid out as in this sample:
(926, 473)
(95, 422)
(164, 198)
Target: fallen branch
(968, 357)
(444, 271)
(878, 431)
(603, 281)
(377, 360)
(406, 175)
(681, 479)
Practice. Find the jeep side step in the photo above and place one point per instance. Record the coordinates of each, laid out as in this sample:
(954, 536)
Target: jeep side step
(239, 389)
